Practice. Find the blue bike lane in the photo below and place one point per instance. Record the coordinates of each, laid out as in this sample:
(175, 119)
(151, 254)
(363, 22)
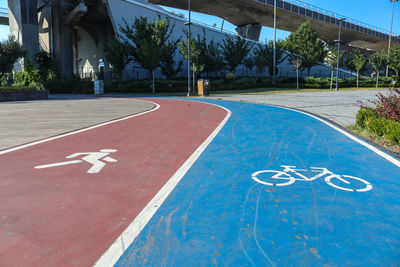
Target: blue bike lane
(219, 215)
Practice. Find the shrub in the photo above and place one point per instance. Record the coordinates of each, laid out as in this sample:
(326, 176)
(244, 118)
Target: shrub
(44, 63)
(29, 78)
(363, 115)
(381, 126)
(70, 86)
(17, 88)
(230, 77)
(392, 132)
(376, 125)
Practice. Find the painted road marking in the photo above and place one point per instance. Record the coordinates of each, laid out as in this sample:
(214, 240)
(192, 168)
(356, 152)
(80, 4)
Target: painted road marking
(117, 249)
(264, 177)
(93, 158)
(218, 215)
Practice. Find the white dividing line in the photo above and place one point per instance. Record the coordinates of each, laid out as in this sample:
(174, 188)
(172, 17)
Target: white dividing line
(58, 164)
(115, 251)
(157, 106)
(354, 138)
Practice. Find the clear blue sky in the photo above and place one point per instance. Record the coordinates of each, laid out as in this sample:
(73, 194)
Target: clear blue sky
(377, 13)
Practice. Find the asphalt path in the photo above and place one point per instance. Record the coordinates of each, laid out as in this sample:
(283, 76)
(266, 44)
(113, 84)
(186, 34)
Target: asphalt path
(65, 200)
(242, 205)
(201, 183)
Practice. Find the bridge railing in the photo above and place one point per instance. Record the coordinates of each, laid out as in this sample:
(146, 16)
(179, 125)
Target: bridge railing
(314, 12)
(3, 12)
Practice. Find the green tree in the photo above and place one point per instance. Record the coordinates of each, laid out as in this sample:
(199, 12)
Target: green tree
(249, 64)
(168, 60)
(196, 52)
(146, 40)
(378, 60)
(358, 60)
(10, 51)
(116, 53)
(260, 57)
(267, 52)
(348, 61)
(394, 59)
(296, 61)
(305, 43)
(44, 63)
(234, 51)
(212, 58)
(332, 60)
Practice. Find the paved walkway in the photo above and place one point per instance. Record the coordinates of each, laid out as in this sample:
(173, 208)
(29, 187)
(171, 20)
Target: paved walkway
(26, 121)
(340, 107)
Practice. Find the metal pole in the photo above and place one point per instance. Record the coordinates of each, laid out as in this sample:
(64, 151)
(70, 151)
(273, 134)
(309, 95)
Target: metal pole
(189, 39)
(338, 55)
(390, 37)
(274, 60)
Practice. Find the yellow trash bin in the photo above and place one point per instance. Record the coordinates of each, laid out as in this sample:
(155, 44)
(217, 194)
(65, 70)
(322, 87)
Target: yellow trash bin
(200, 87)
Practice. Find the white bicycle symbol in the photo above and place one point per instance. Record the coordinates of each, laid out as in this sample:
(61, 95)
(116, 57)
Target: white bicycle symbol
(285, 178)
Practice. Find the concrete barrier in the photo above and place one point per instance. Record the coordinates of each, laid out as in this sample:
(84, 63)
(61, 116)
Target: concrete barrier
(23, 95)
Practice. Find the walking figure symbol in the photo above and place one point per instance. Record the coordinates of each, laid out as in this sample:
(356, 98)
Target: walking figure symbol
(95, 158)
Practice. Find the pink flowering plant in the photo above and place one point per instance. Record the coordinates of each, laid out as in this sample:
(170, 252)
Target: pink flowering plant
(387, 106)
(383, 117)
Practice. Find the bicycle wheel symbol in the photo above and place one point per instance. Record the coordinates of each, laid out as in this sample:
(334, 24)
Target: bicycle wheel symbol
(279, 179)
(333, 182)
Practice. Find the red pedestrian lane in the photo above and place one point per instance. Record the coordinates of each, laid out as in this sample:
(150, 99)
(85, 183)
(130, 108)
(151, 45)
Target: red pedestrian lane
(61, 215)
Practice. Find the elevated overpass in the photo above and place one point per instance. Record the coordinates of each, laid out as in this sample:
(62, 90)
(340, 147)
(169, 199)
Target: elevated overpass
(290, 14)
(4, 16)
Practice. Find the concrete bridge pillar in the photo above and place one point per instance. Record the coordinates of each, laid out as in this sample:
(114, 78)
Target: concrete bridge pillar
(24, 24)
(62, 39)
(250, 31)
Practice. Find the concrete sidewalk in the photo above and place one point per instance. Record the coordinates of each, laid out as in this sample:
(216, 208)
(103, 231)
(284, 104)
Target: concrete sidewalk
(26, 121)
(340, 107)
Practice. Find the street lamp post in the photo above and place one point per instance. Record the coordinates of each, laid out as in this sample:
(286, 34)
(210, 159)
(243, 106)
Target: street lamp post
(189, 39)
(390, 36)
(274, 59)
(338, 55)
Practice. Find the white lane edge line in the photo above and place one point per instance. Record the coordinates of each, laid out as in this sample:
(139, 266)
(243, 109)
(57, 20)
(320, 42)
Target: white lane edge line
(349, 135)
(117, 249)
(157, 106)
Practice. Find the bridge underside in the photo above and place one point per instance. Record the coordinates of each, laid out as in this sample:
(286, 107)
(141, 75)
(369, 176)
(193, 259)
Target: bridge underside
(289, 17)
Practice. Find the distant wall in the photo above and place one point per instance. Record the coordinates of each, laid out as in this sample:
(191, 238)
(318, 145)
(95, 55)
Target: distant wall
(129, 10)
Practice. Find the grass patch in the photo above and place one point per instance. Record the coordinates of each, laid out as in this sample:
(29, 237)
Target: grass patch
(376, 139)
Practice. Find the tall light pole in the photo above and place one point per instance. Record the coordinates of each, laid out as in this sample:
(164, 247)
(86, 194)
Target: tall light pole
(338, 54)
(274, 60)
(390, 35)
(189, 39)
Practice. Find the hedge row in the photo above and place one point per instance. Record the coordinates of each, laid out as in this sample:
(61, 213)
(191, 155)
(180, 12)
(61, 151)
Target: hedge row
(368, 118)
(312, 82)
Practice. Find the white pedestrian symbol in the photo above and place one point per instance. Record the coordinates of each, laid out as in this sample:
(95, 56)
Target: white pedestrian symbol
(93, 158)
